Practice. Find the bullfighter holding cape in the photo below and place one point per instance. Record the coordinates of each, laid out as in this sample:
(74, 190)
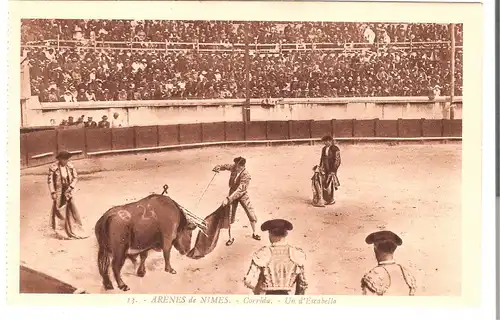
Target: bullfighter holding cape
(62, 179)
(325, 180)
(238, 194)
(224, 216)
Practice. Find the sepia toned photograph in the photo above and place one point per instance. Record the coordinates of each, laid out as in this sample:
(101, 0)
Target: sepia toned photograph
(241, 157)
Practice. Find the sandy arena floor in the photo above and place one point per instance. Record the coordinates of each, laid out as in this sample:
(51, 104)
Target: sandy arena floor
(413, 190)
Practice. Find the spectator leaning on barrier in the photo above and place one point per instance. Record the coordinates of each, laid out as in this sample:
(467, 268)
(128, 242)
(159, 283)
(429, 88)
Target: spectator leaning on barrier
(104, 123)
(52, 96)
(90, 95)
(67, 97)
(80, 121)
(90, 123)
(81, 95)
(116, 122)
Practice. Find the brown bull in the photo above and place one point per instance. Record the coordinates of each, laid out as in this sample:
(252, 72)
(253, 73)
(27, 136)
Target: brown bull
(126, 231)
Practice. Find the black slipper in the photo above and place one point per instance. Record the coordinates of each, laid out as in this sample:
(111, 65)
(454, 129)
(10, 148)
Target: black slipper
(229, 242)
(256, 236)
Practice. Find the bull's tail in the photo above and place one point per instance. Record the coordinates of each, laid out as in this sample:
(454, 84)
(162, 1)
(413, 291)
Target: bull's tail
(103, 256)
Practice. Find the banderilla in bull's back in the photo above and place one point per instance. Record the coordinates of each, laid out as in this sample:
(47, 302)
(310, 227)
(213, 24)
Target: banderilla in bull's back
(131, 230)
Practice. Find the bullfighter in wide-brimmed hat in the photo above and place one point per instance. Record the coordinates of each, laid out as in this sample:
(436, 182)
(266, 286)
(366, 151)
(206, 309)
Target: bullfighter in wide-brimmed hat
(388, 278)
(325, 180)
(62, 179)
(277, 269)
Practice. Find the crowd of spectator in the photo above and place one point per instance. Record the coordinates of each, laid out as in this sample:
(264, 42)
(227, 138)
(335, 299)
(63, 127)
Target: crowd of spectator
(105, 74)
(233, 31)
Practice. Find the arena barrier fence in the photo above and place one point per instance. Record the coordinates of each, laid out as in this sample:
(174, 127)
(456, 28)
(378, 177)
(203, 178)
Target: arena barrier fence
(32, 281)
(40, 147)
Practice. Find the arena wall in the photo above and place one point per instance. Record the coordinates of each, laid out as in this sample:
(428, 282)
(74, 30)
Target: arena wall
(33, 281)
(168, 112)
(40, 147)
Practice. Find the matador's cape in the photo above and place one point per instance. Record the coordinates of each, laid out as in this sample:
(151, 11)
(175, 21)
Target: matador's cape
(323, 185)
(207, 241)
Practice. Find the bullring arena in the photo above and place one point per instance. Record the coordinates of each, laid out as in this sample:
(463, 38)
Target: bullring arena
(413, 189)
(141, 104)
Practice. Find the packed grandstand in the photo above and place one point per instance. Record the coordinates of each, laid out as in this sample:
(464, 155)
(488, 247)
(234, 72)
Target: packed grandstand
(108, 60)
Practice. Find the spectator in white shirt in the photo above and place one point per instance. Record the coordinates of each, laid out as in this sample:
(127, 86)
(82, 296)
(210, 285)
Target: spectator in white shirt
(369, 35)
(68, 97)
(385, 37)
(119, 65)
(203, 75)
(182, 84)
(92, 36)
(50, 55)
(90, 95)
(169, 86)
(143, 64)
(218, 76)
(135, 66)
(92, 74)
(102, 33)
(77, 34)
(436, 91)
(116, 122)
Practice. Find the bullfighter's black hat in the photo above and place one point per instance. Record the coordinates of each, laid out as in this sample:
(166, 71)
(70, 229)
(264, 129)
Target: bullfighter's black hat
(240, 160)
(384, 235)
(65, 155)
(327, 138)
(278, 226)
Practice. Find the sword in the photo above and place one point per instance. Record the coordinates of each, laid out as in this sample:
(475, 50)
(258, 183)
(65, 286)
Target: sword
(203, 193)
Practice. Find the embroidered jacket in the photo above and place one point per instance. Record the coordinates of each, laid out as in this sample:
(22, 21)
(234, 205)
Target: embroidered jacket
(61, 175)
(277, 267)
(388, 278)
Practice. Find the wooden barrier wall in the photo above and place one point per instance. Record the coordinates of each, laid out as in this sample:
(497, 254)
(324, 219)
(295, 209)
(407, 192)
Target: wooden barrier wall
(32, 281)
(40, 147)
